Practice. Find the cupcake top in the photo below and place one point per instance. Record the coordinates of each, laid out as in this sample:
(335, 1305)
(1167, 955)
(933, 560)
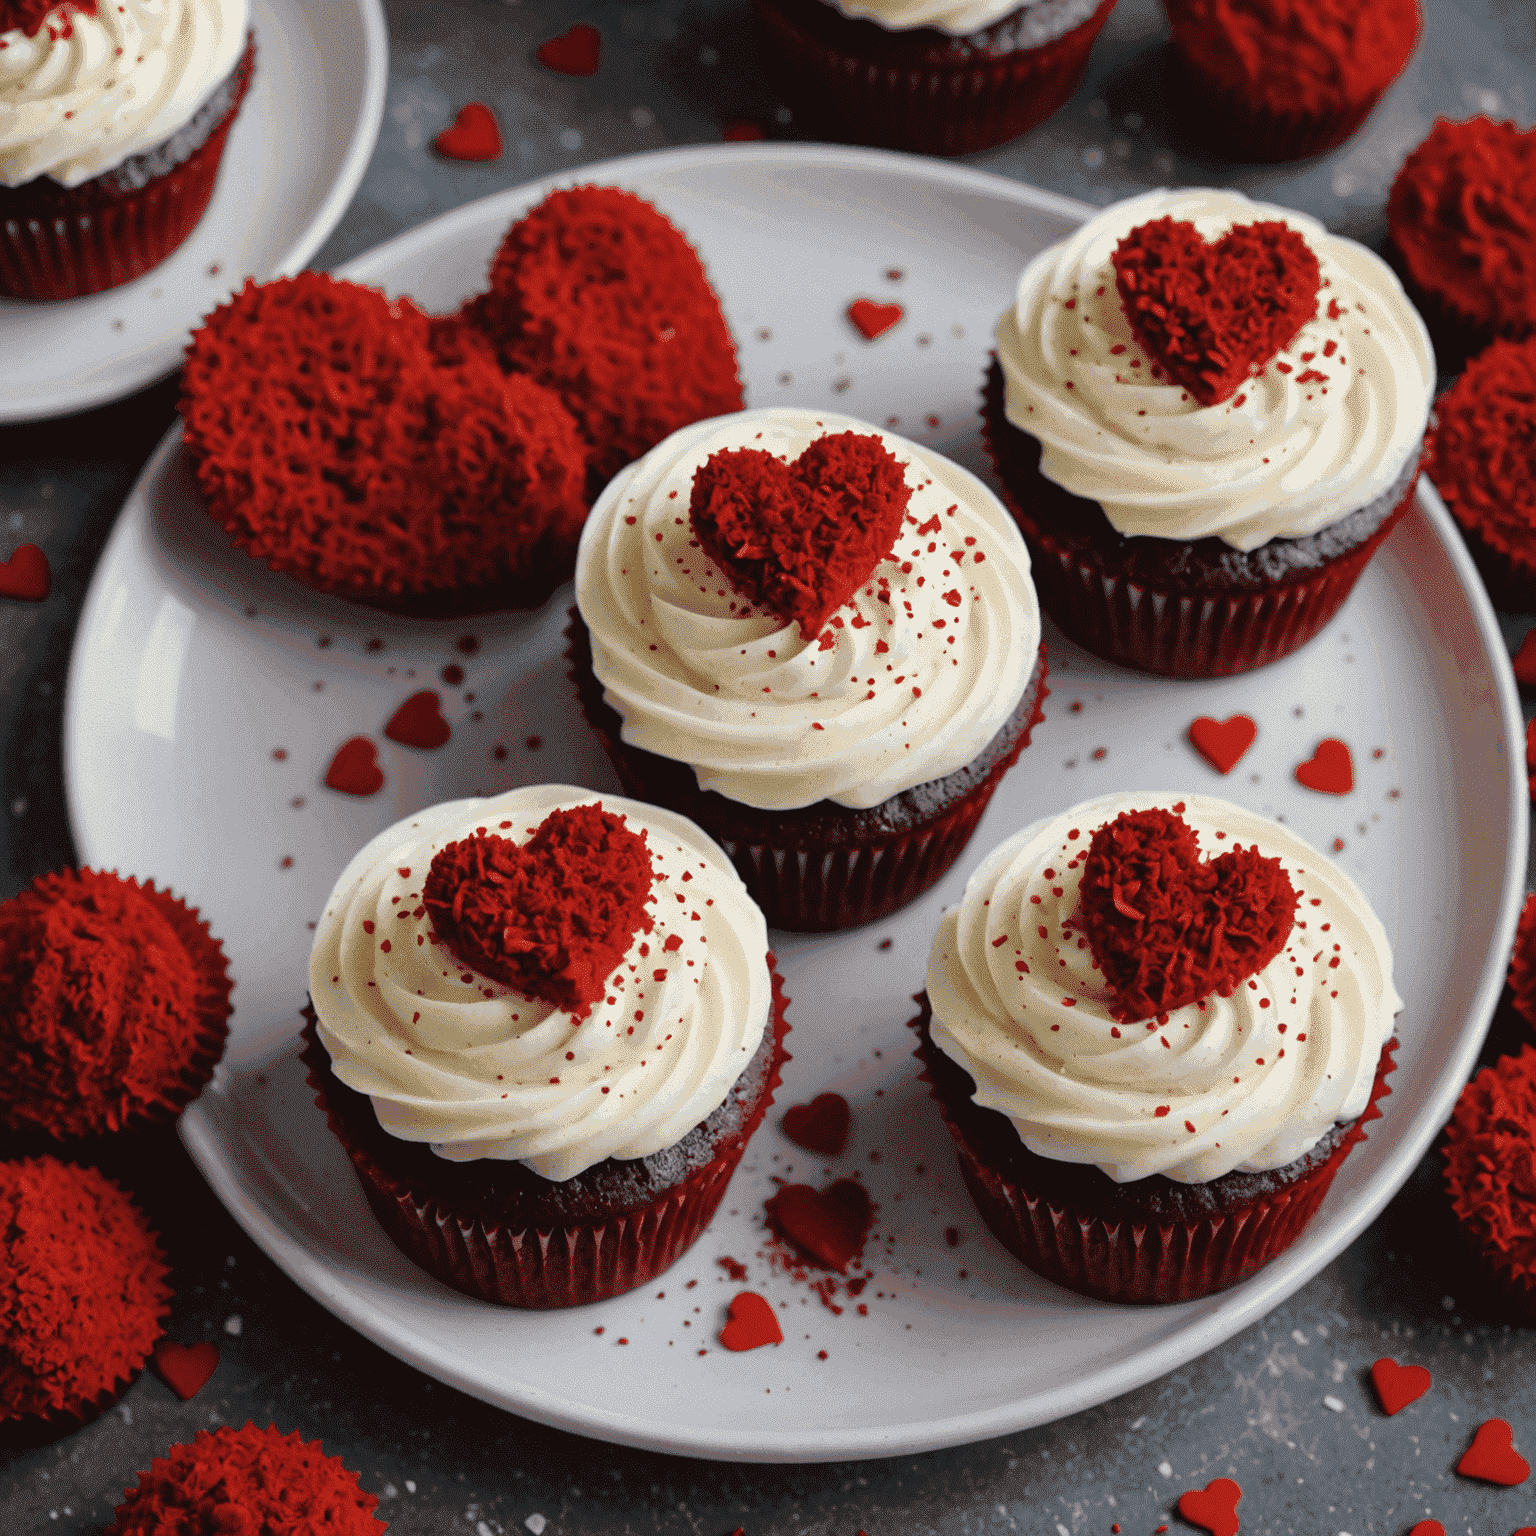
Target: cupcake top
(957, 17)
(548, 975)
(917, 651)
(83, 1292)
(1159, 983)
(85, 86)
(1322, 421)
(244, 1481)
(114, 1004)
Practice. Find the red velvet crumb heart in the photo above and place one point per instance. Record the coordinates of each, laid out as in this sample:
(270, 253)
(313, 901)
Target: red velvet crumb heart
(1222, 743)
(26, 575)
(829, 1225)
(1330, 770)
(1492, 1457)
(1214, 1507)
(355, 768)
(750, 1323)
(419, 722)
(874, 319)
(474, 135)
(576, 51)
(185, 1368)
(820, 1126)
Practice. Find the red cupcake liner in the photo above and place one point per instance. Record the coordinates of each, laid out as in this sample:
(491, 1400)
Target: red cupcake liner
(1155, 1260)
(61, 242)
(929, 106)
(563, 1265)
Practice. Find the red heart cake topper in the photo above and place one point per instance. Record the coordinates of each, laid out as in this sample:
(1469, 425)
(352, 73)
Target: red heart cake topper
(1212, 314)
(1214, 1507)
(419, 722)
(184, 1368)
(1330, 770)
(828, 1225)
(474, 135)
(355, 768)
(750, 1323)
(26, 574)
(1431, 1528)
(551, 917)
(1398, 1385)
(874, 319)
(800, 539)
(1492, 1457)
(820, 1126)
(1222, 743)
(576, 51)
(1167, 927)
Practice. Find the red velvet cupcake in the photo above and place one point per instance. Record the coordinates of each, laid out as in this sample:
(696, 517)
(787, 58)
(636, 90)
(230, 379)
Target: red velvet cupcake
(114, 1006)
(83, 1297)
(1285, 79)
(544, 1027)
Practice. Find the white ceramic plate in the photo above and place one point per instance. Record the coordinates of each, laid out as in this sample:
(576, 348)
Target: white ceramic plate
(294, 158)
(206, 699)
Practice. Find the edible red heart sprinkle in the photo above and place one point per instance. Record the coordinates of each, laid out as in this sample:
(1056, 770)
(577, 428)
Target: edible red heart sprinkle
(1167, 927)
(874, 319)
(1330, 770)
(185, 1368)
(1428, 1528)
(1524, 661)
(800, 539)
(551, 917)
(575, 52)
(1398, 1385)
(1213, 1507)
(475, 135)
(419, 722)
(750, 1323)
(1212, 314)
(828, 1225)
(1492, 1457)
(26, 575)
(1522, 963)
(1222, 743)
(29, 14)
(820, 1126)
(355, 768)
(83, 1291)
(743, 131)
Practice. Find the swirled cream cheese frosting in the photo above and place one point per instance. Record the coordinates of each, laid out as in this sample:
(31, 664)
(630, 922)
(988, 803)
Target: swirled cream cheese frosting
(957, 17)
(907, 682)
(1247, 1082)
(461, 1061)
(89, 89)
(1323, 429)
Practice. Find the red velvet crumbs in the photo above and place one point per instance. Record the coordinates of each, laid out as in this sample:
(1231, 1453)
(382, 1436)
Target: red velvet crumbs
(1522, 964)
(1167, 927)
(820, 1126)
(26, 575)
(828, 1225)
(83, 1292)
(1212, 314)
(800, 539)
(1214, 1507)
(247, 1482)
(29, 14)
(551, 917)
(750, 1323)
(114, 1004)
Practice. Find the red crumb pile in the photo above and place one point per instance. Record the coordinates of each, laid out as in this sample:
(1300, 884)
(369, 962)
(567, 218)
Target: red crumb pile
(597, 296)
(550, 917)
(1167, 927)
(29, 14)
(83, 1290)
(114, 1004)
(800, 539)
(1522, 964)
(246, 1482)
(345, 438)
(1210, 314)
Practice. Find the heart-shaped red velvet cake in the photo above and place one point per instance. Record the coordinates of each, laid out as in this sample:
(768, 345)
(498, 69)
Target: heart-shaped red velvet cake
(1167, 927)
(551, 917)
(1212, 314)
(800, 539)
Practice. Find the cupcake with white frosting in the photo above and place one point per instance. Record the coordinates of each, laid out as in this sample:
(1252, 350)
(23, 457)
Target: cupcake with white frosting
(547, 1012)
(113, 121)
(819, 641)
(1207, 414)
(1155, 1025)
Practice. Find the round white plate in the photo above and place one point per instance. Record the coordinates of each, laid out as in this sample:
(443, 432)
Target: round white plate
(207, 697)
(294, 158)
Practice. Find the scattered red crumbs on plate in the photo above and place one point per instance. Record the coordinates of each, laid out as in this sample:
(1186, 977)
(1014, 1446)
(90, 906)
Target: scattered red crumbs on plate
(1398, 1385)
(1524, 660)
(26, 575)
(828, 1225)
(452, 674)
(743, 131)
(1330, 770)
(874, 319)
(750, 1323)
(1214, 1507)
(355, 768)
(1222, 743)
(575, 52)
(733, 1267)
(1492, 1457)
(419, 722)
(533, 743)
(474, 135)
(820, 1126)
(185, 1368)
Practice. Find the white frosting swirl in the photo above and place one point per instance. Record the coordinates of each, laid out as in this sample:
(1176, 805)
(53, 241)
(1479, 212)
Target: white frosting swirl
(462, 1061)
(1322, 430)
(1247, 1082)
(88, 91)
(908, 688)
(957, 17)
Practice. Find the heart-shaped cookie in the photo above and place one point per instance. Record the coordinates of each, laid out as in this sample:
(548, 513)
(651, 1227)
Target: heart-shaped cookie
(1492, 1457)
(820, 1126)
(1167, 927)
(475, 135)
(1222, 743)
(355, 768)
(800, 539)
(750, 1323)
(828, 1225)
(872, 319)
(1398, 1385)
(26, 574)
(1214, 1507)
(577, 51)
(184, 1368)
(1211, 314)
(551, 917)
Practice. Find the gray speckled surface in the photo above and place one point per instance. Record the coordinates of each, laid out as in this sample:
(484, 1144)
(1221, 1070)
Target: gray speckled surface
(1285, 1408)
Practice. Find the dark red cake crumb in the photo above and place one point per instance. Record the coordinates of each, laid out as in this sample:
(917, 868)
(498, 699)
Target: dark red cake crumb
(550, 917)
(1167, 927)
(246, 1482)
